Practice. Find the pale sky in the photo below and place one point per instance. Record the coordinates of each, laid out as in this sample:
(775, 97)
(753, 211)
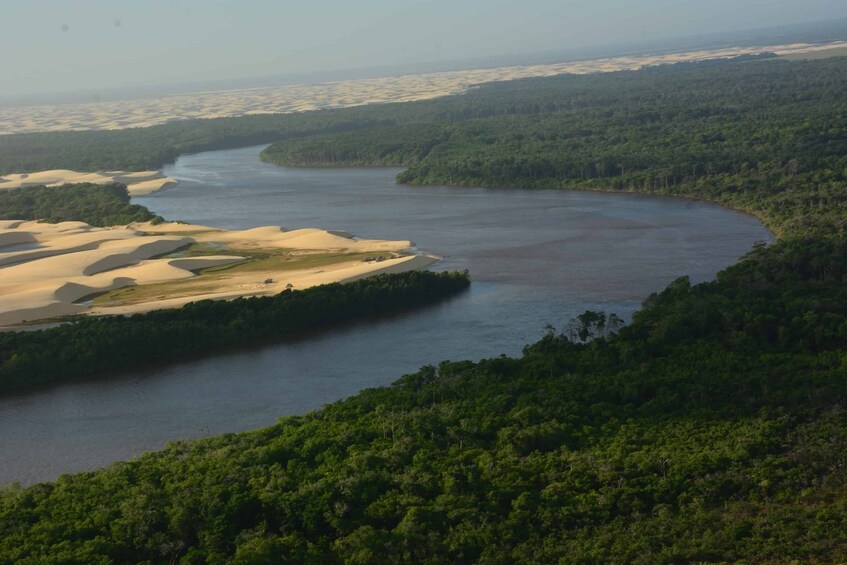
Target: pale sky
(65, 45)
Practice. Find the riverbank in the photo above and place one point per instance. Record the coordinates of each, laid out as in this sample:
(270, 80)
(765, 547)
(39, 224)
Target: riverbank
(95, 345)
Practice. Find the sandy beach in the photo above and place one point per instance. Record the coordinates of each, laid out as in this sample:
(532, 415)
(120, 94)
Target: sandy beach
(300, 98)
(54, 270)
(137, 184)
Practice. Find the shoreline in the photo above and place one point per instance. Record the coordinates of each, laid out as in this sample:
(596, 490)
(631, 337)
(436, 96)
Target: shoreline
(773, 230)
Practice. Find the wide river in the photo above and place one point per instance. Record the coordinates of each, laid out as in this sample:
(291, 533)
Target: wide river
(536, 257)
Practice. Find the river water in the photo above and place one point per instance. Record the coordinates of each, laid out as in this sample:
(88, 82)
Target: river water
(536, 257)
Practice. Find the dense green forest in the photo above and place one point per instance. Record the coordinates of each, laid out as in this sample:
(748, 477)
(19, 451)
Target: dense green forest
(711, 428)
(140, 149)
(137, 149)
(98, 205)
(95, 345)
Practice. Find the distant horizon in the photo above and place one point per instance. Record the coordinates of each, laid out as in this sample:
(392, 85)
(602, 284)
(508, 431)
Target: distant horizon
(231, 102)
(823, 30)
(176, 63)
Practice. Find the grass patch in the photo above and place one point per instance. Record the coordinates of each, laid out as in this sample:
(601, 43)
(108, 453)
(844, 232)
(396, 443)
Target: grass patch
(187, 233)
(201, 250)
(286, 260)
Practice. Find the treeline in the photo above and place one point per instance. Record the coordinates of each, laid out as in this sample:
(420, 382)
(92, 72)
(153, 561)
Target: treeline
(92, 345)
(382, 146)
(138, 149)
(94, 204)
(712, 428)
(769, 137)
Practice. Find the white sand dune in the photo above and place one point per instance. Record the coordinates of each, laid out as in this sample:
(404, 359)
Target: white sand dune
(72, 261)
(122, 253)
(259, 235)
(137, 184)
(49, 284)
(306, 238)
(15, 238)
(57, 239)
(250, 286)
(48, 177)
(72, 291)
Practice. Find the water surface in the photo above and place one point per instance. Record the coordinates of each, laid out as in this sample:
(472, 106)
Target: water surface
(536, 257)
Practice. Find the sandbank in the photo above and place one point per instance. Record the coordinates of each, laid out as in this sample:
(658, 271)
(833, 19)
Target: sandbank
(49, 271)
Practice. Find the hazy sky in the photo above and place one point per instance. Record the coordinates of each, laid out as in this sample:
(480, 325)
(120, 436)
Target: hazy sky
(61, 45)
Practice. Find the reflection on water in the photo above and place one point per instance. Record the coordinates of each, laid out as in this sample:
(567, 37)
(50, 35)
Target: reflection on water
(536, 257)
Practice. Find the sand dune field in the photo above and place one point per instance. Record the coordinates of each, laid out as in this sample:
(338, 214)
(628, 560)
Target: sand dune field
(300, 98)
(52, 270)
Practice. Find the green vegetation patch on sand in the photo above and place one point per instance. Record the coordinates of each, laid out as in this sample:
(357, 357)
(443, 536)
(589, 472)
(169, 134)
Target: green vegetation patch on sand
(94, 204)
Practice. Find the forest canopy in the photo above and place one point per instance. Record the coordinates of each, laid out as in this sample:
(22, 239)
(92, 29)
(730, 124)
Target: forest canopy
(711, 428)
(94, 204)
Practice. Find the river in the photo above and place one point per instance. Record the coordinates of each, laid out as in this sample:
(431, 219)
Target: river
(536, 257)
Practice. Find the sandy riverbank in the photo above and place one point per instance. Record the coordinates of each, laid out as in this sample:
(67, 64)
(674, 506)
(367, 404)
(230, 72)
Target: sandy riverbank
(137, 184)
(53, 270)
